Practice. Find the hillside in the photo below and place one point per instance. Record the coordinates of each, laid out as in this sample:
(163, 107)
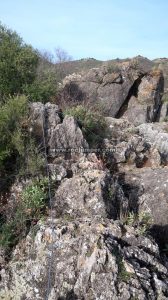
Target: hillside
(84, 192)
(86, 64)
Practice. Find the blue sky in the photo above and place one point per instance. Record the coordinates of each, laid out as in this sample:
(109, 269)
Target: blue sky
(103, 29)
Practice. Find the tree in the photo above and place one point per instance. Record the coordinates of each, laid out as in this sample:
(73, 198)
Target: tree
(62, 56)
(18, 63)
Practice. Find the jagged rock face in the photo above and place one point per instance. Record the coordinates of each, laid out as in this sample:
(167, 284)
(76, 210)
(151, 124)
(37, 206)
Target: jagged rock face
(131, 89)
(157, 135)
(62, 136)
(66, 137)
(145, 104)
(164, 112)
(45, 117)
(91, 251)
(93, 258)
(141, 154)
(90, 192)
(148, 192)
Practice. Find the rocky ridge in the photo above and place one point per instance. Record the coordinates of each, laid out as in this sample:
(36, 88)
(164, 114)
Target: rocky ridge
(107, 233)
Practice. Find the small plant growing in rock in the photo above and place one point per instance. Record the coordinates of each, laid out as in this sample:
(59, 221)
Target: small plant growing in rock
(142, 221)
(29, 210)
(123, 274)
(34, 197)
(93, 125)
(130, 219)
(113, 68)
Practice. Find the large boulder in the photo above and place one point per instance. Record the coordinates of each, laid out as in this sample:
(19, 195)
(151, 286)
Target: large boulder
(130, 88)
(145, 105)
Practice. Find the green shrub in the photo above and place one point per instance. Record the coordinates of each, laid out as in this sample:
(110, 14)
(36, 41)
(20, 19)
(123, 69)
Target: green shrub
(44, 87)
(113, 68)
(93, 125)
(18, 63)
(16, 141)
(30, 208)
(141, 221)
(34, 199)
(12, 113)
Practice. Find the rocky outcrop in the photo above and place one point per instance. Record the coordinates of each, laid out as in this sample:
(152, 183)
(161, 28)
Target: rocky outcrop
(105, 231)
(148, 193)
(157, 135)
(146, 105)
(63, 136)
(92, 258)
(128, 88)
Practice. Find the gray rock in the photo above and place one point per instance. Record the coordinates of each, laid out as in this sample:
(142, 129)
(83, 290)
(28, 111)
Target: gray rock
(91, 259)
(131, 89)
(148, 193)
(164, 112)
(156, 134)
(62, 137)
(66, 137)
(43, 116)
(89, 192)
(145, 106)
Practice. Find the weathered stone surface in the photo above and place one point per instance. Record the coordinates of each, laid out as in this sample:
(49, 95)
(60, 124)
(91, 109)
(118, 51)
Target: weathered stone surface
(132, 146)
(164, 112)
(148, 192)
(66, 137)
(130, 89)
(43, 116)
(94, 241)
(157, 135)
(63, 137)
(91, 259)
(84, 193)
(146, 104)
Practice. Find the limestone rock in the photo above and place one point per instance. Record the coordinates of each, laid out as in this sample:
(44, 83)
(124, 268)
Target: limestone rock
(91, 259)
(130, 89)
(148, 193)
(62, 136)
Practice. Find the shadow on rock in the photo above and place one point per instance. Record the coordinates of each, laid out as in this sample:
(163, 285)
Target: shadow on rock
(69, 296)
(160, 234)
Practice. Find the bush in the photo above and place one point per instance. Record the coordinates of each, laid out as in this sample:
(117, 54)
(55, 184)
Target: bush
(92, 123)
(18, 63)
(12, 113)
(30, 208)
(34, 198)
(19, 154)
(44, 87)
(142, 221)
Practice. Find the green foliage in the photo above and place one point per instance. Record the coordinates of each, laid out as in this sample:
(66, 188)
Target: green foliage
(92, 123)
(130, 219)
(141, 221)
(18, 63)
(12, 113)
(113, 68)
(32, 162)
(123, 274)
(34, 198)
(7, 235)
(30, 208)
(144, 222)
(44, 87)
